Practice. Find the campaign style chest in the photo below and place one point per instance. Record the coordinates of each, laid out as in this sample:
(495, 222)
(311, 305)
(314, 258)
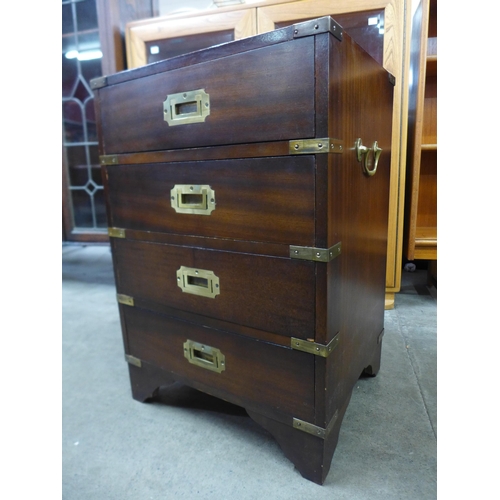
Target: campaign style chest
(247, 190)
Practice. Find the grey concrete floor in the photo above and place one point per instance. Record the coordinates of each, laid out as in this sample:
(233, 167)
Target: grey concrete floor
(188, 445)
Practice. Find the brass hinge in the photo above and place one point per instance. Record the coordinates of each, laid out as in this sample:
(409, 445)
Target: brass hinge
(316, 254)
(316, 26)
(315, 430)
(313, 347)
(314, 146)
(108, 159)
(133, 360)
(116, 232)
(125, 299)
(99, 82)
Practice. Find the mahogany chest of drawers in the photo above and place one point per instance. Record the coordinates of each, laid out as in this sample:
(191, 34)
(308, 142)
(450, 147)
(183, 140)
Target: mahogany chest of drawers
(247, 190)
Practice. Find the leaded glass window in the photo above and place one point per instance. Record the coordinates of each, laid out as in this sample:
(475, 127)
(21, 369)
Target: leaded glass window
(81, 61)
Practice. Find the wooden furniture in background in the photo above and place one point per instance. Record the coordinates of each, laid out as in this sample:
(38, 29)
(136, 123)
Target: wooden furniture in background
(421, 195)
(190, 33)
(391, 50)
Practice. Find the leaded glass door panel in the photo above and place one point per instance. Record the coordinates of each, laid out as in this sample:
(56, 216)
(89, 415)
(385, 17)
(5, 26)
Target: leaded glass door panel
(84, 213)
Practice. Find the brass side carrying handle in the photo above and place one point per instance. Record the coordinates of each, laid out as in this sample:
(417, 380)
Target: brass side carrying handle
(186, 107)
(198, 282)
(204, 356)
(192, 199)
(363, 156)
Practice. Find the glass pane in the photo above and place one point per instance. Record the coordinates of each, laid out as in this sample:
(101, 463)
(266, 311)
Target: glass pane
(95, 173)
(100, 209)
(77, 165)
(86, 15)
(171, 47)
(67, 19)
(73, 122)
(90, 69)
(69, 75)
(94, 162)
(365, 28)
(82, 207)
(91, 123)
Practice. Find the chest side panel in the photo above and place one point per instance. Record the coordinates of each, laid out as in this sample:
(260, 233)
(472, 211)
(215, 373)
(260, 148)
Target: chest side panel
(358, 210)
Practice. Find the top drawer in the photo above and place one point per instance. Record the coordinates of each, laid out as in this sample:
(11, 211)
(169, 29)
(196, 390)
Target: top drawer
(266, 94)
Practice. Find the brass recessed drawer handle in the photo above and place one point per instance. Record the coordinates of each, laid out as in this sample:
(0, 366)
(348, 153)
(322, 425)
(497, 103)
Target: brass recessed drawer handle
(363, 155)
(198, 282)
(186, 107)
(204, 356)
(192, 199)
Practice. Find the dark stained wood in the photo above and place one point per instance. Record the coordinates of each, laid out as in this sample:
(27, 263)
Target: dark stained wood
(357, 215)
(373, 367)
(250, 365)
(280, 290)
(240, 246)
(247, 103)
(225, 152)
(316, 86)
(311, 455)
(215, 323)
(202, 56)
(269, 200)
(168, 48)
(146, 380)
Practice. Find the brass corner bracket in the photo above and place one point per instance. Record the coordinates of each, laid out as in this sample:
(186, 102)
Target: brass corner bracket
(315, 430)
(132, 360)
(316, 26)
(108, 159)
(316, 254)
(116, 232)
(313, 347)
(314, 146)
(125, 299)
(99, 82)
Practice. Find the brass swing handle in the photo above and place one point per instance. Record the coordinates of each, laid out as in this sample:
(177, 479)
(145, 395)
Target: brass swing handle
(363, 156)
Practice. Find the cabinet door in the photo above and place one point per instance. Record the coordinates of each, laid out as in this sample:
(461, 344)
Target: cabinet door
(381, 27)
(153, 40)
(421, 204)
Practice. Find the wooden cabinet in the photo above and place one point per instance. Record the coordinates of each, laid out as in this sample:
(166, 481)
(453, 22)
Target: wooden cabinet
(165, 37)
(247, 231)
(421, 195)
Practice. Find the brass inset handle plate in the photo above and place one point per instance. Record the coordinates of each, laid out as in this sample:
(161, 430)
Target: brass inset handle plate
(192, 199)
(186, 107)
(363, 155)
(198, 282)
(204, 356)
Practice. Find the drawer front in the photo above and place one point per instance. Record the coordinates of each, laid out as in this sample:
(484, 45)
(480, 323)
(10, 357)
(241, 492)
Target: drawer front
(255, 96)
(259, 199)
(276, 295)
(252, 371)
